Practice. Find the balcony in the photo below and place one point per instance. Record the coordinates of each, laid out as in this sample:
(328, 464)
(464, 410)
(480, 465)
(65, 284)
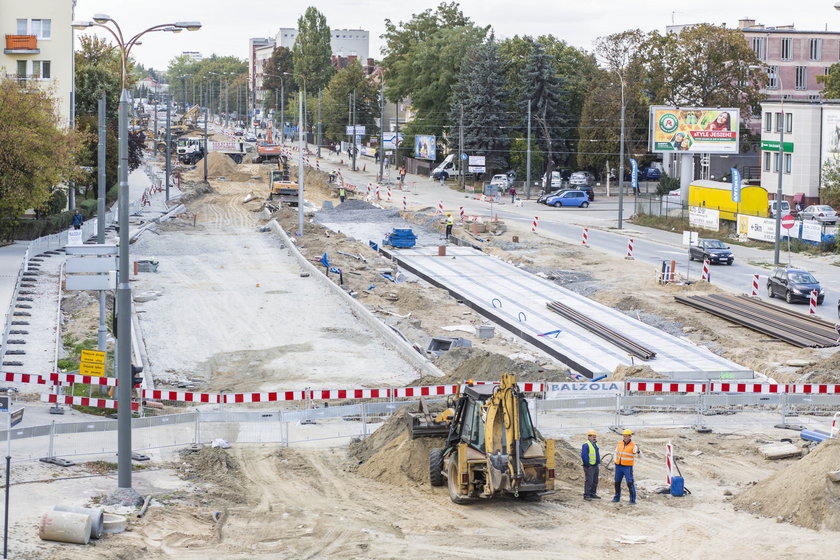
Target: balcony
(21, 44)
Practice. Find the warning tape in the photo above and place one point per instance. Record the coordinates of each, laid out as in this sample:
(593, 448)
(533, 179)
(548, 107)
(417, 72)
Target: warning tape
(648, 387)
(182, 396)
(754, 388)
(82, 401)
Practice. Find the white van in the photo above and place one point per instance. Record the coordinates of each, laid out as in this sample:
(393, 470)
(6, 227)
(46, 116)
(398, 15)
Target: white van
(447, 165)
(556, 180)
(785, 208)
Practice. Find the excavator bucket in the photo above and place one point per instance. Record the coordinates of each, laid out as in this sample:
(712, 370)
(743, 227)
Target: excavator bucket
(422, 423)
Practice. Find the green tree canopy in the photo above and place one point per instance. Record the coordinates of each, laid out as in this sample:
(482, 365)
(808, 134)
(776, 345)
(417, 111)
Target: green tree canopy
(274, 78)
(335, 106)
(36, 153)
(312, 51)
(98, 69)
(830, 188)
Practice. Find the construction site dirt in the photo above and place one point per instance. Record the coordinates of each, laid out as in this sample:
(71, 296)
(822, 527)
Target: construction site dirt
(230, 311)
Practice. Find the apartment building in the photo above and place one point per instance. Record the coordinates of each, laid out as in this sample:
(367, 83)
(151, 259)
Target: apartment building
(259, 51)
(39, 46)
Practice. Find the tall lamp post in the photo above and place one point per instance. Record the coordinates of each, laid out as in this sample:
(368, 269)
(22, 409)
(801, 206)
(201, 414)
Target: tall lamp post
(125, 492)
(621, 157)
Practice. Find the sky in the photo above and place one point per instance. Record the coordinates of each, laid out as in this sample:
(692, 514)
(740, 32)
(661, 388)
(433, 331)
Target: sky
(228, 24)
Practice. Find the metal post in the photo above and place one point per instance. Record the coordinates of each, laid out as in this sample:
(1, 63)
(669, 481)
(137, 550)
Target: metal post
(102, 332)
(123, 312)
(779, 187)
(205, 144)
(300, 166)
(381, 130)
(8, 479)
(156, 135)
(353, 142)
(397, 139)
(282, 109)
(621, 160)
(319, 122)
(528, 157)
(184, 85)
(168, 144)
(461, 151)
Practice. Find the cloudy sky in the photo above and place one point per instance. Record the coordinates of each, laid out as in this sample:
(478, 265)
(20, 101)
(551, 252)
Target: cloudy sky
(228, 24)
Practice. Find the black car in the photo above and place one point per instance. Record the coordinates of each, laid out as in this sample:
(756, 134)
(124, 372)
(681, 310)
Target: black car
(794, 284)
(543, 197)
(713, 249)
(587, 189)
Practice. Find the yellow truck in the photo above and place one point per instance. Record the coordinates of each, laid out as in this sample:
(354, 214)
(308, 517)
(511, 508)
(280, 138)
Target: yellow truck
(718, 196)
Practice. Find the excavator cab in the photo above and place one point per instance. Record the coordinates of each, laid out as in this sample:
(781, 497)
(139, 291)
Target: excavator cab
(492, 447)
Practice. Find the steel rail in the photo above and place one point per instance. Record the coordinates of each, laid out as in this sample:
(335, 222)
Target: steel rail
(784, 324)
(614, 337)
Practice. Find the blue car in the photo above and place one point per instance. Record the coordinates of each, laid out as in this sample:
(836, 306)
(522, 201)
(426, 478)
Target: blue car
(569, 198)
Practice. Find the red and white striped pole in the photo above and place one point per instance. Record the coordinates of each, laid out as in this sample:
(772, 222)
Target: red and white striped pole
(706, 276)
(405, 205)
(440, 207)
(389, 194)
(377, 192)
(629, 249)
(461, 212)
(534, 223)
(812, 309)
(369, 186)
(585, 237)
(755, 286)
(669, 462)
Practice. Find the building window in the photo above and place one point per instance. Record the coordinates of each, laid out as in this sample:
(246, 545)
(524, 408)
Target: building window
(768, 122)
(815, 49)
(41, 69)
(778, 122)
(23, 27)
(41, 28)
(759, 45)
(787, 49)
(788, 163)
(776, 162)
(21, 68)
(801, 77)
(788, 122)
(772, 77)
(816, 97)
(766, 161)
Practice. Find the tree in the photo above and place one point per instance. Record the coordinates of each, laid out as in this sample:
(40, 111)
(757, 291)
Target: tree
(313, 51)
(480, 93)
(423, 60)
(335, 106)
(831, 82)
(280, 63)
(98, 69)
(519, 158)
(830, 175)
(35, 152)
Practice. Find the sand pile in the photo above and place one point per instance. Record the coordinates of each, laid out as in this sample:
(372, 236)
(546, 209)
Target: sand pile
(801, 493)
(825, 371)
(218, 165)
(397, 424)
(401, 460)
(216, 466)
(481, 365)
(635, 372)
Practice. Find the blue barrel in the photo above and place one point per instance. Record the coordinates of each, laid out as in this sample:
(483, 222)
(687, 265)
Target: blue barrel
(677, 486)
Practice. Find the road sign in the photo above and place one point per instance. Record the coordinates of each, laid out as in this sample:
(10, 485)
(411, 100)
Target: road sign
(92, 362)
(91, 281)
(788, 221)
(90, 265)
(92, 250)
(463, 157)
(360, 130)
(17, 417)
(4, 403)
(96, 370)
(93, 356)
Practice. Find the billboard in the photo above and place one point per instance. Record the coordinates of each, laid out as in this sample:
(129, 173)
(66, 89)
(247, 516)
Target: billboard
(425, 147)
(696, 130)
(830, 134)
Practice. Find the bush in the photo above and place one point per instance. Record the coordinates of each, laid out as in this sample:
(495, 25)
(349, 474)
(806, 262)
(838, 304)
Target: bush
(667, 184)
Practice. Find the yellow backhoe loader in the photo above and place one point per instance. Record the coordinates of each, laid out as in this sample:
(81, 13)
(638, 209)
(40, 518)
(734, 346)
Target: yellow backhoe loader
(491, 447)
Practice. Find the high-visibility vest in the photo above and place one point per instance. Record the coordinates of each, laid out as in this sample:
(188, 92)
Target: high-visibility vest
(341, 192)
(625, 453)
(450, 221)
(593, 458)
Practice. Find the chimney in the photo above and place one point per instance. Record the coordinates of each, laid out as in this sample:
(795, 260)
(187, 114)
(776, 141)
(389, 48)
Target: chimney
(746, 22)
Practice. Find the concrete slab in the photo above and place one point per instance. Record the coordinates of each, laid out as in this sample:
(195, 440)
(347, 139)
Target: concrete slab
(517, 300)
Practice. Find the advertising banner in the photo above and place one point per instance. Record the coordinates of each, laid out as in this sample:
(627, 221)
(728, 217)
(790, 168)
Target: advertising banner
(583, 390)
(476, 164)
(706, 218)
(830, 134)
(736, 185)
(634, 174)
(425, 147)
(755, 227)
(696, 130)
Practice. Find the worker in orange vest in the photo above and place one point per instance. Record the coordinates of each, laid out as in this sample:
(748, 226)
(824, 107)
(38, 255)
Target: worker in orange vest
(625, 455)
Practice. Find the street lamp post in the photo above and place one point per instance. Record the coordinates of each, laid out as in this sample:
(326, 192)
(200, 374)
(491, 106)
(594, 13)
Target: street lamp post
(125, 492)
(779, 195)
(621, 157)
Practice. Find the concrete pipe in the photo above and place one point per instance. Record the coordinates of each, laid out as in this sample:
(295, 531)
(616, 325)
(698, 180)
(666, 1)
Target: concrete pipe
(96, 517)
(65, 526)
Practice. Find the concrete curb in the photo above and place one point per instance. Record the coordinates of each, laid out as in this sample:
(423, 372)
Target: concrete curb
(404, 349)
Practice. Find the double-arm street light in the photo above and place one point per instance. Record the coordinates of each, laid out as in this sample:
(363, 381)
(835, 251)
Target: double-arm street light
(123, 303)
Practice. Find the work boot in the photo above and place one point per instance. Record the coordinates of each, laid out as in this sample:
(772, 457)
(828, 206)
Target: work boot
(595, 497)
(617, 497)
(587, 498)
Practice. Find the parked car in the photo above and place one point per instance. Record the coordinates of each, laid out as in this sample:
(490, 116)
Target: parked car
(651, 174)
(772, 208)
(569, 198)
(503, 181)
(556, 180)
(581, 178)
(250, 137)
(713, 249)
(821, 213)
(544, 197)
(794, 284)
(590, 192)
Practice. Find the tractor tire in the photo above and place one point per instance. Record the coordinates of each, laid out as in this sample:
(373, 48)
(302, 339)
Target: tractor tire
(237, 158)
(452, 479)
(436, 477)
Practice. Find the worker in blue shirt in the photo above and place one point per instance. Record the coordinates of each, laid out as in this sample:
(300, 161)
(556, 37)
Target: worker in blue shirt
(591, 457)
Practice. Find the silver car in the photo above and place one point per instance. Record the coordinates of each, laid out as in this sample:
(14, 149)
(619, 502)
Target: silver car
(820, 212)
(580, 178)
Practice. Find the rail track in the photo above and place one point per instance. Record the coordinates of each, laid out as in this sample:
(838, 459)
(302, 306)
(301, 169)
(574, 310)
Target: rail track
(600, 329)
(790, 326)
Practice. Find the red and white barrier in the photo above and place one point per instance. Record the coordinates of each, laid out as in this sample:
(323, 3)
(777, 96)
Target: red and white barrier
(377, 192)
(585, 240)
(182, 396)
(669, 463)
(23, 378)
(629, 249)
(534, 223)
(812, 308)
(461, 213)
(405, 205)
(388, 192)
(762, 388)
(659, 387)
(754, 292)
(82, 401)
(70, 378)
(706, 276)
(440, 207)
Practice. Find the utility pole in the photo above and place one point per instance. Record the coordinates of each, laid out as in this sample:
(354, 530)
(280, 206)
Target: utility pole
(102, 333)
(168, 143)
(381, 130)
(282, 108)
(353, 148)
(319, 123)
(350, 119)
(300, 167)
(461, 147)
(205, 144)
(397, 139)
(528, 157)
(155, 131)
(621, 160)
